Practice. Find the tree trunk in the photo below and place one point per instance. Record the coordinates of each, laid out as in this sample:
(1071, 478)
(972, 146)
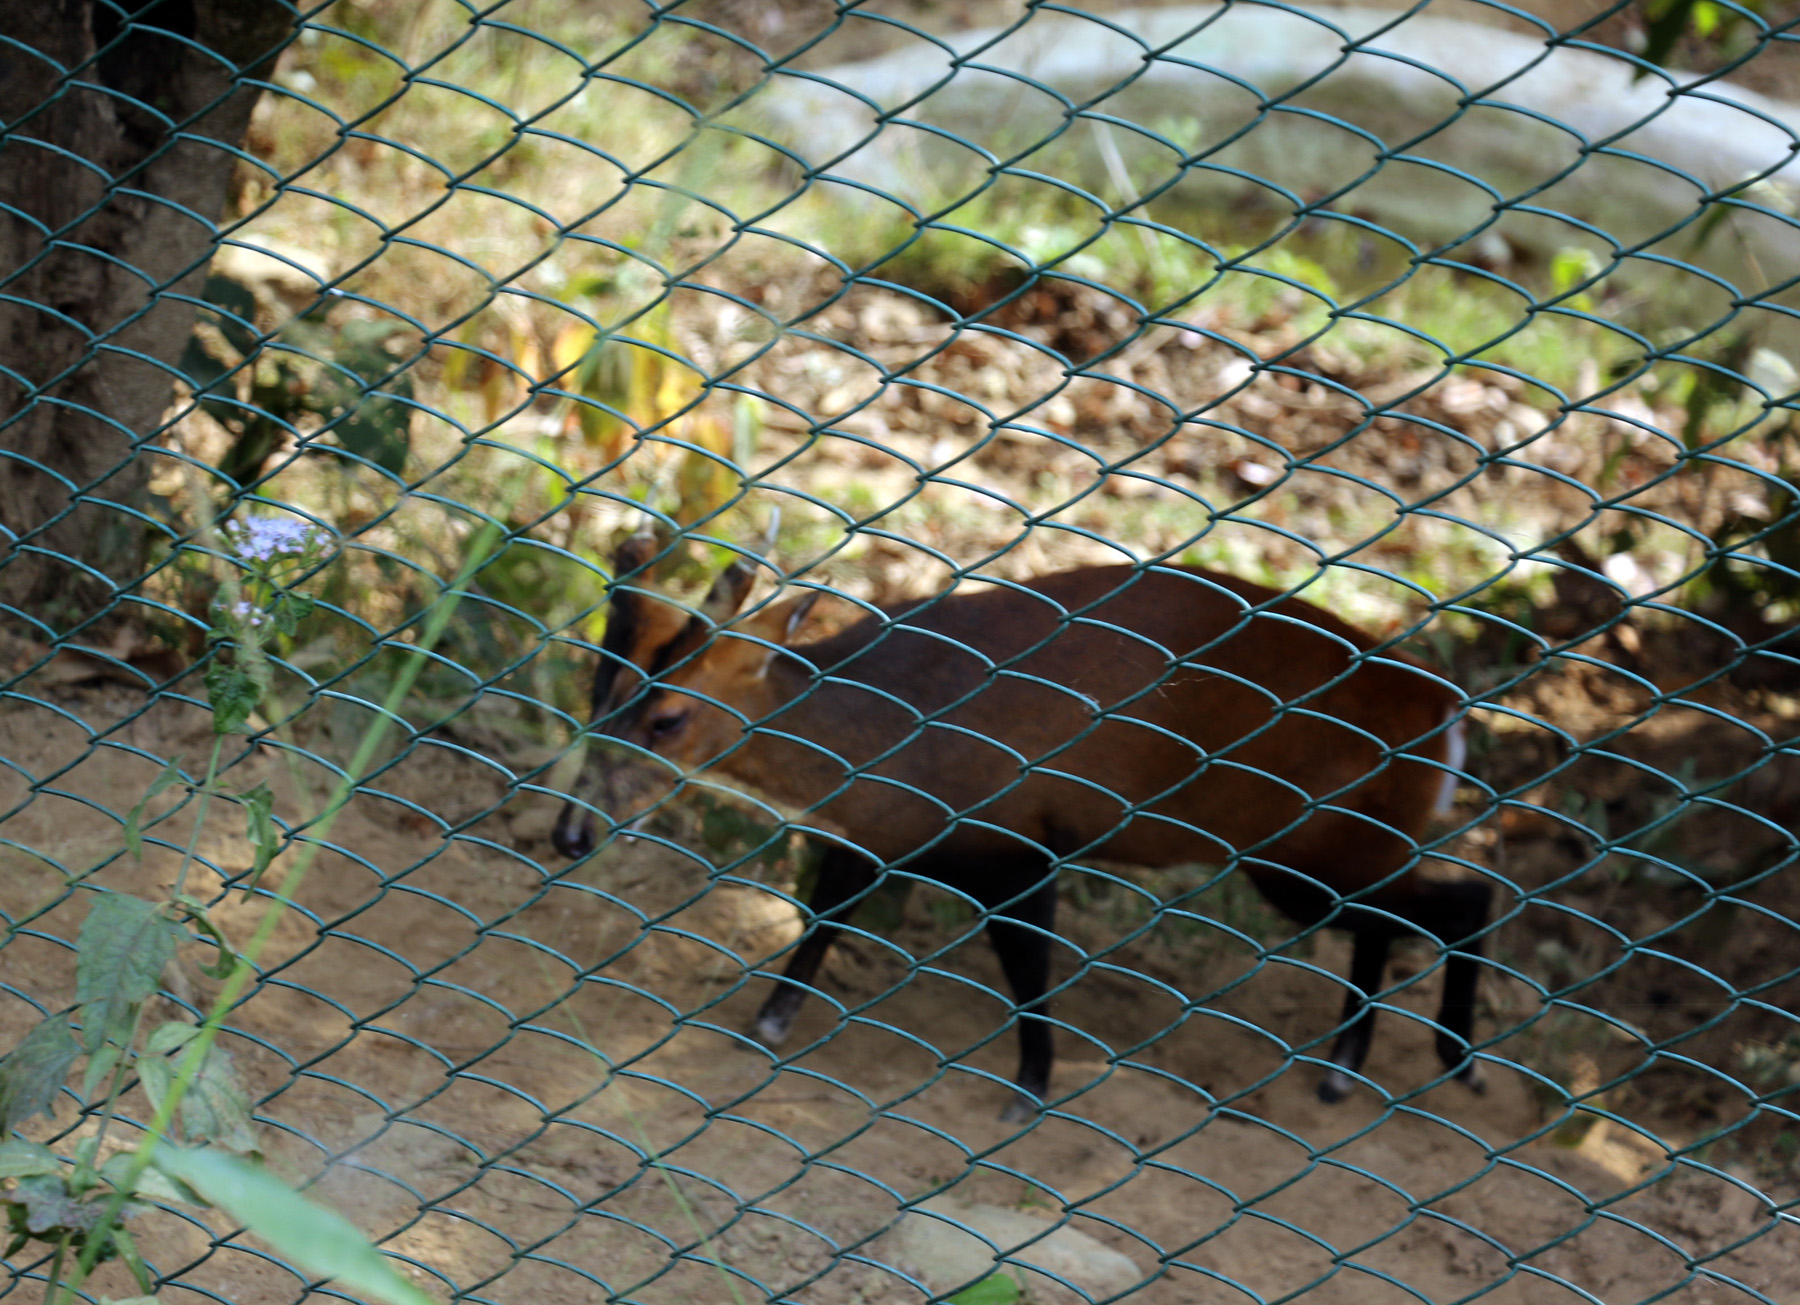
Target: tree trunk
(116, 143)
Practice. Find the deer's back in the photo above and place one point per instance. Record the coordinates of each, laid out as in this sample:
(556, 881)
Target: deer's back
(1150, 708)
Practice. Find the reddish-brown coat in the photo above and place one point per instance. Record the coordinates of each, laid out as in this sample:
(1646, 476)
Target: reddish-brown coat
(1111, 710)
(1154, 715)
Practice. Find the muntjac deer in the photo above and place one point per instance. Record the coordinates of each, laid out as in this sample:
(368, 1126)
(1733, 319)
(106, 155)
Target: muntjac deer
(1149, 714)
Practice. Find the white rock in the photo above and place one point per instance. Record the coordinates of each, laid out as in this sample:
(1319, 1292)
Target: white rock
(948, 1245)
(1401, 78)
(272, 269)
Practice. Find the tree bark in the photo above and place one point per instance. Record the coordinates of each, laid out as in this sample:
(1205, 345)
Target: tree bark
(116, 141)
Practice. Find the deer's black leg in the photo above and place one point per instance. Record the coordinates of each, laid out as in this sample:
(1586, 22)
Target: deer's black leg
(1021, 939)
(1454, 912)
(842, 875)
(1368, 958)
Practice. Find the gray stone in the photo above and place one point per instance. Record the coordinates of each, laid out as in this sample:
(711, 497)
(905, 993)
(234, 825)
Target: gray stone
(947, 1245)
(1218, 69)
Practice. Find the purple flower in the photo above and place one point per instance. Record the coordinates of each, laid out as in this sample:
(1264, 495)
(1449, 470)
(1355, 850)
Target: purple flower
(263, 539)
(244, 614)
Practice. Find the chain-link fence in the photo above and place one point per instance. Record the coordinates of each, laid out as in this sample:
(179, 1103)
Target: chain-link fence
(1245, 509)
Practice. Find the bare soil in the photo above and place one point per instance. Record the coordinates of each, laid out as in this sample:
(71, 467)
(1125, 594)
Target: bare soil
(477, 1063)
(531, 1083)
(530, 1080)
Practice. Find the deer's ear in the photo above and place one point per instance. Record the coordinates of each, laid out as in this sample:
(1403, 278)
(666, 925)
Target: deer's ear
(735, 581)
(729, 591)
(628, 596)
(776, 623)
(634, 551)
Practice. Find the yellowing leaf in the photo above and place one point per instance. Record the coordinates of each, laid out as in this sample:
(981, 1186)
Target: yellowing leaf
(646, 380)
(676, 388)
(603, 431)
(568, 349)
(705, 481)
(496, 387)
(458, 362)
(604, 378)
(527, 356)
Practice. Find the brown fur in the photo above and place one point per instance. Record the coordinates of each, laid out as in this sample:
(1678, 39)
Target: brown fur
(1140, 715)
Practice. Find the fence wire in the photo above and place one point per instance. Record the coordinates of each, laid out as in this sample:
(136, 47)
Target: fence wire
(376, 373)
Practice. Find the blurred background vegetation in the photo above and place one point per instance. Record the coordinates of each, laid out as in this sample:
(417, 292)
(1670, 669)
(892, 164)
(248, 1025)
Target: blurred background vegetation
(545, 272)
(471, 278)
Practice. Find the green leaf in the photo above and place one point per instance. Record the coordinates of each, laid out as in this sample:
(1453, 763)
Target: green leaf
(126, 1245)
(167, 1037)
(235, 689)
(152, 1182)
(130, 1300)
(319, 1240)
(216, 1106)
(1572, 264)
(134, 819)
(362, 347)
(249, 452)
(101, 1064)
(234, 309)
(199, 367)
(124, 944)
(364, 407)
(27, 1159)
(83, 1177)
(995, 1289)
(1664, 31)
(290, 609)
(201, 918)
(49, 1206)
(156, 1076)
(33, 1072)
(378, 429)
(259, 815)
(46, 1208)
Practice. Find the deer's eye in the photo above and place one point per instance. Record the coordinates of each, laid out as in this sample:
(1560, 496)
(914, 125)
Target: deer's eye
(664, 724)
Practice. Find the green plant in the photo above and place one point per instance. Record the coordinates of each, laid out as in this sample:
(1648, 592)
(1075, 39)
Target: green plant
(1772, 1067)
(1231, 901)
(737, 835)
(995, 1289)
(316, 370)
(200, 1147)
(1706, 22)
(951, 912)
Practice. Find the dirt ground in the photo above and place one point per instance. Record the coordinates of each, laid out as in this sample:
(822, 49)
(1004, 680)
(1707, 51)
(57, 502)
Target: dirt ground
(533, 1088)
(477, 1062)
(529, 1081)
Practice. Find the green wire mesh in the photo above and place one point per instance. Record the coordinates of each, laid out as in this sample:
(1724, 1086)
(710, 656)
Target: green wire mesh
(1474, 329)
